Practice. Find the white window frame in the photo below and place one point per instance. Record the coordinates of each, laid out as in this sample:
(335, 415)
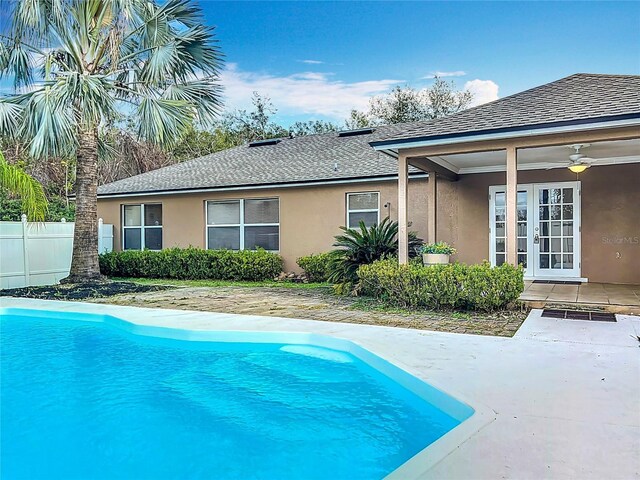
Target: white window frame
(361, 210)
(142, 227)
(242, 225)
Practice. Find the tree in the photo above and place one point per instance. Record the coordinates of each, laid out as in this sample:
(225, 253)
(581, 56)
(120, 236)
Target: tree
(406, 104)
(79, 63)
(312, 127)
(244, 126)
(17, 182)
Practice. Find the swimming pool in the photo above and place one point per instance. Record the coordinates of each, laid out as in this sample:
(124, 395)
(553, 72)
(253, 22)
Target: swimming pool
(83, 399)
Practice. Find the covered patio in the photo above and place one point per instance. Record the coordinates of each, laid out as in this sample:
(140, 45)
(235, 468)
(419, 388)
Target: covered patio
(559, 198)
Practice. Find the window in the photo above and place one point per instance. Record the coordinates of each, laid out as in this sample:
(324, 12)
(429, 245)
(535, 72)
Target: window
(142, 227)
(363, 207)
(245, 224)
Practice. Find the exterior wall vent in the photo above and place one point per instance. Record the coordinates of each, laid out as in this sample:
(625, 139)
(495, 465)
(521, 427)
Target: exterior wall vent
(262, 143)
(353, 133)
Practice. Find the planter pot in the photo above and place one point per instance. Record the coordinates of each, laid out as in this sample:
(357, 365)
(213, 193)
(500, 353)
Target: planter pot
(435, 258)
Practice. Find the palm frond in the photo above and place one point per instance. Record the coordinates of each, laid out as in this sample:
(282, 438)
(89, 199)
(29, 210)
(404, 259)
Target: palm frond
(17, 182)
(163, 121)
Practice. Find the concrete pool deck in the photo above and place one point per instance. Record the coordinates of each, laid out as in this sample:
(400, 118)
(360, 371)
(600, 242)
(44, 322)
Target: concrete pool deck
(564, 394)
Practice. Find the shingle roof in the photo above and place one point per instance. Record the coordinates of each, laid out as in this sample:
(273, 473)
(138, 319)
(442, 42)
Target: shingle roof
(310, 158)
(579, 97)
(327, 157)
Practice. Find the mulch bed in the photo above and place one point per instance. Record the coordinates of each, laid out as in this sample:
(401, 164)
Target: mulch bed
(81, 291)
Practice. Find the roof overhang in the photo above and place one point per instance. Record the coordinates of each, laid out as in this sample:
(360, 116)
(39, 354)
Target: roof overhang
(391, 147)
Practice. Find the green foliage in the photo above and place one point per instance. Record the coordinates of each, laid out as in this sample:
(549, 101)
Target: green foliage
(11, 210)
(17, 182)
(442, 248)
(456, 286)
(316, 266)
(192, 264)
(363, 246)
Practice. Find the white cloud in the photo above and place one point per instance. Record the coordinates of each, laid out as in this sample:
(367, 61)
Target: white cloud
(312, 62)
(456, 73)
(483, 91)
(301, 93)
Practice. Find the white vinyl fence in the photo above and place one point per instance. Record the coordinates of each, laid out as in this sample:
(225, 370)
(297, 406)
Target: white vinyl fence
(40, 253)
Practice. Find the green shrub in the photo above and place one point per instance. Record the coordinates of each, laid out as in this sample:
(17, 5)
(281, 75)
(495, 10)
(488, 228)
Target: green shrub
(456, 286)
(316, 266)
(363, 246)
(192, 264)
(442, 248)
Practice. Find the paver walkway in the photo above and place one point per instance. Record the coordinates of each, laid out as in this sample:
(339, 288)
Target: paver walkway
(316, 304)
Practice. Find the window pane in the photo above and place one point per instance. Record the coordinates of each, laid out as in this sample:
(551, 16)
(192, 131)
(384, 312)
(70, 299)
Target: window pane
(544, 196)
(567, 228)
(500, 258)
(544, 213)
(500, 232)
(132, 215)
(363, 201)
(567, 261)
(522, 244)
(132, 238)
(153, 238)
(556, 229)
(262, 211)
(567, 212)
(556, 261)
(223, 237)
(555, 195)
(544, 244)
(555, 212)
(500, 199)
(221, 213)
(522, 229)
(500, 214)
(522, 259)
(153, 215)
(369, 219)
(262, 237)
(567, 195)
(544, 229)
(544, 261)
(567, 245)
(500, 242)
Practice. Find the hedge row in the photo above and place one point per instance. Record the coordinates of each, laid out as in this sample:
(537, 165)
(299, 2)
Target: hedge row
(459, 286)
(316, 266)
(192, 264)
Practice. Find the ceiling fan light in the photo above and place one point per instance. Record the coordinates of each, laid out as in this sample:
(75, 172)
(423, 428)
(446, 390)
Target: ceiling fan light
(578, 167)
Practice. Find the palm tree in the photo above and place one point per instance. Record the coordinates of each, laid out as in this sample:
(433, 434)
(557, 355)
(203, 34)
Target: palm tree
(79, 65)
(19, 183)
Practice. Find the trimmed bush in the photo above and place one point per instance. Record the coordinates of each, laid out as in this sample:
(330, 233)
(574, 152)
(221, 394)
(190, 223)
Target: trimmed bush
(456, 286)
(192, 264)
(316, 266)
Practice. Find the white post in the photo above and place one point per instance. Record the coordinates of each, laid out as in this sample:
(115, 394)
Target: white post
(100, 240)
(512, 205)
(403, 188)
(25, 249)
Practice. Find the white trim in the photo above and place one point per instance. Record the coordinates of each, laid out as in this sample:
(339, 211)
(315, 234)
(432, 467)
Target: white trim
(242, 225)
(563, 279)
(361, 210)
(543, 165)
(507, 135)
(142, 227)
(271, 186)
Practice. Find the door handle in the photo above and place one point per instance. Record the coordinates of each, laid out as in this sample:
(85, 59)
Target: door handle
(536, 239)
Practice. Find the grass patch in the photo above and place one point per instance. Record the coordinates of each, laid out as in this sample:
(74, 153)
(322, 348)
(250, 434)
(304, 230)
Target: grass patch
(223, 283)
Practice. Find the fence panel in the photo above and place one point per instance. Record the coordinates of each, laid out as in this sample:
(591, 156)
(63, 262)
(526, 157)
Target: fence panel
(40, 253)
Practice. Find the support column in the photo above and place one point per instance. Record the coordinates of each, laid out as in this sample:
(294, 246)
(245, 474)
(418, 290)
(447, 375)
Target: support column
(403, 189)
(512, 206)
(432, 207)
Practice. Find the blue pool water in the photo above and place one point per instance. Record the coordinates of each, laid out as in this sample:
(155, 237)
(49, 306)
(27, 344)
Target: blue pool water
(86, 400)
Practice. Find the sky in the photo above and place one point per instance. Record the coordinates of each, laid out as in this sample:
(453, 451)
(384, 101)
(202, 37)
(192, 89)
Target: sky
(318, 60)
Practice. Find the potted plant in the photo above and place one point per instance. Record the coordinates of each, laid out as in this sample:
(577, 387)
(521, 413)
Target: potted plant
(436, 253)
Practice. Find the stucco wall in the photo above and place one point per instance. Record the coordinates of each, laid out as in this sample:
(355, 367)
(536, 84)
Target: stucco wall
(310, 217)
(610, 217)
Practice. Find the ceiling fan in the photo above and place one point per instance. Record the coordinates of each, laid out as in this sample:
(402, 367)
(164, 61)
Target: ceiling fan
(579, 162)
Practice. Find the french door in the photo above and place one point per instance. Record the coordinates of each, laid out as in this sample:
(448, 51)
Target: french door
(548, 228)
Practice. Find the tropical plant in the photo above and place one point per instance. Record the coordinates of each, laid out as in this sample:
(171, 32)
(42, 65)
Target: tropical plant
(17, 182)
(363, 246)
(442, 248)
(77, 65)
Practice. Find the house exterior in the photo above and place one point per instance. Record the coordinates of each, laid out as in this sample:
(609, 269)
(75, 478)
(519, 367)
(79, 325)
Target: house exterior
(493, 181)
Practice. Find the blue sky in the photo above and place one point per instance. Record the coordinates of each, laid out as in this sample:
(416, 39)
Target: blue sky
(317, 60)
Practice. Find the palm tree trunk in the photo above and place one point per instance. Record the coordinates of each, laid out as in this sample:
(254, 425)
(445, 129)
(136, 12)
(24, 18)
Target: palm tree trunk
(84, 261)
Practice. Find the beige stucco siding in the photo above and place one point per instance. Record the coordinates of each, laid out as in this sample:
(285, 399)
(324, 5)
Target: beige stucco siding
(309, 216)
(610, 205)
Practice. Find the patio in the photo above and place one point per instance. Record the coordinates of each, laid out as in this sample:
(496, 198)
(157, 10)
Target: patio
(608, 296)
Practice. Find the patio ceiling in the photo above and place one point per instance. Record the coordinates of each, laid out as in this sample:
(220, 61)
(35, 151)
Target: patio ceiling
(606, 153)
